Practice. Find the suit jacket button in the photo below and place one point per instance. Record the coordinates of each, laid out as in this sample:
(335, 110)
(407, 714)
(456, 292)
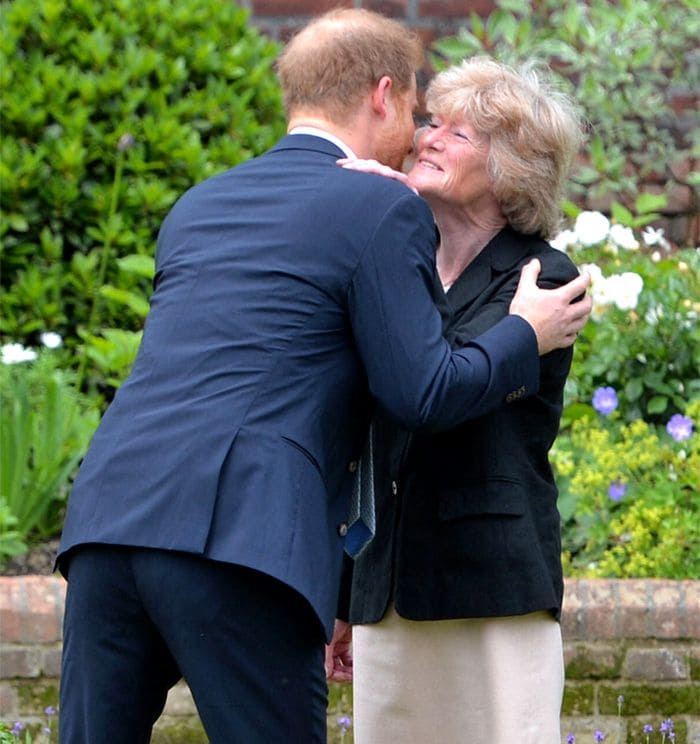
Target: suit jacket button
(352, 466)
(342, 529)
(394, 488)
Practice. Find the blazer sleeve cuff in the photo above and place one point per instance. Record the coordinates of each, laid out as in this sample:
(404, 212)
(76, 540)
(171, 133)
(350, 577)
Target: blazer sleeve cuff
(511, 347)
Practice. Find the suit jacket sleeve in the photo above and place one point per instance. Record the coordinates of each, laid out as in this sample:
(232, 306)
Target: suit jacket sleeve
(410, 367)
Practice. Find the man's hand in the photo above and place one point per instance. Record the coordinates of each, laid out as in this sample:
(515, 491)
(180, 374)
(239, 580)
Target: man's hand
(552, 313)
(374, 166)
(339, 653)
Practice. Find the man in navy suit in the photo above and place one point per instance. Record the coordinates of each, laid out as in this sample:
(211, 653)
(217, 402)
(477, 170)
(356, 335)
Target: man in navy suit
(204, 534)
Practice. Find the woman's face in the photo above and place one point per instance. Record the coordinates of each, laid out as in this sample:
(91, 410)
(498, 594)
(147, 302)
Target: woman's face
(450, 164)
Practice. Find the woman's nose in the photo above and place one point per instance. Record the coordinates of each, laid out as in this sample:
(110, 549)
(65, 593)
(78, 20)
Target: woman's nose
(430, 137)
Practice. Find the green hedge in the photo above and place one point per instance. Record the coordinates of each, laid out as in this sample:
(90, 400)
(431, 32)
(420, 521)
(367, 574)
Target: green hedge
(110, 110)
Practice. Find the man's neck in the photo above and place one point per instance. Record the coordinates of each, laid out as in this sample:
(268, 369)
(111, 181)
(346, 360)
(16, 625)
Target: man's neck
(323, 134)
(352, 134)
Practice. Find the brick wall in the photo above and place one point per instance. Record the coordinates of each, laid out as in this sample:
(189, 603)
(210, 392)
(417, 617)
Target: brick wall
(431, 18)
(635, 638)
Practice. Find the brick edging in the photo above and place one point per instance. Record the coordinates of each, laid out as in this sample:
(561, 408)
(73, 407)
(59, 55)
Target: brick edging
(31, 609)
(607, 609)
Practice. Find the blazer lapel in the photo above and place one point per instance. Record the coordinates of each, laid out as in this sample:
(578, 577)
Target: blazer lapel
(502, 253)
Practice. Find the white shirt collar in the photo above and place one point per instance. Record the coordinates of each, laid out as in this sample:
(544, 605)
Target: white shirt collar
(316, 132)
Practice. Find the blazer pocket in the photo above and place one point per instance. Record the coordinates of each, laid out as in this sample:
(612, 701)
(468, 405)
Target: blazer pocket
(305, 452)
(492, 496)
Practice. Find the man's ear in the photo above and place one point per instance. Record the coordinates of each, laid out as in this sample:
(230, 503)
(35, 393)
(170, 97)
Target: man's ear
(381, 94)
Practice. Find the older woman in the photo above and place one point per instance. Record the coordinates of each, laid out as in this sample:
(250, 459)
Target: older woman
(456, 601)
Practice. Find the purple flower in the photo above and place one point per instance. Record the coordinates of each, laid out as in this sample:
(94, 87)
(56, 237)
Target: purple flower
(599, 736)
(50, 710)
(671, 735)
(344, 723)
(666, 726)
(605, 400)
(648, 729)
(17, 729)
(616, 491)
(570, 739)
(680, 427)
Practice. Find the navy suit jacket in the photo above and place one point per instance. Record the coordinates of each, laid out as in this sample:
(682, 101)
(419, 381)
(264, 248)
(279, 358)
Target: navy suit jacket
(288, 292)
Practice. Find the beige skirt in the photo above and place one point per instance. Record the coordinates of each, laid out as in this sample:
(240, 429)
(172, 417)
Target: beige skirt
(477, 681)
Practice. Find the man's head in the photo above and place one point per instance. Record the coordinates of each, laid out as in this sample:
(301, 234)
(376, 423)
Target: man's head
(334, 61)
(348, 63)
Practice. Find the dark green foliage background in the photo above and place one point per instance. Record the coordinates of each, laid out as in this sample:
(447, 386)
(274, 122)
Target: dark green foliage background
(189, 80)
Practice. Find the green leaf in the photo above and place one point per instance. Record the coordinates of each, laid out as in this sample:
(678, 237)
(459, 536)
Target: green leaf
(572, 17)
(577, 411)
(137, 264)
(477, 25)
(570, 209)
(566, 504)
(650, 202)
(586, 175)
(634, 389)
(621, 214)
(645, 219)
(123, 296)
(657, 404)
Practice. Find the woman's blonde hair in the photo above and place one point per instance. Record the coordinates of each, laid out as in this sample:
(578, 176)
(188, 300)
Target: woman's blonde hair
(332, 63)
(535, 133)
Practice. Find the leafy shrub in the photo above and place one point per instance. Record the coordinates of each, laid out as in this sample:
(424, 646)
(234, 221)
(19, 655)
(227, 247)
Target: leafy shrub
(45, 429)
(644, 337)
(110, 111)
(627, 461)
(629, 498)
(623, 61)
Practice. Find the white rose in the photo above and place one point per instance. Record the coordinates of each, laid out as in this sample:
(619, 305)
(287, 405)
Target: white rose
(624, 289)
(602, 296)
(599, 290)
(591, 228)
(564, 240)
(16, 353)
(594, 271)
(51, 340)
(624, 237)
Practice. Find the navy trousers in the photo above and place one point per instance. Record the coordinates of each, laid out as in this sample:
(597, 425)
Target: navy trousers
(137, 620)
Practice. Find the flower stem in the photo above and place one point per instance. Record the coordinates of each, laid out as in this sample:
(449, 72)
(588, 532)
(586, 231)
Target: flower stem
(105, 253)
